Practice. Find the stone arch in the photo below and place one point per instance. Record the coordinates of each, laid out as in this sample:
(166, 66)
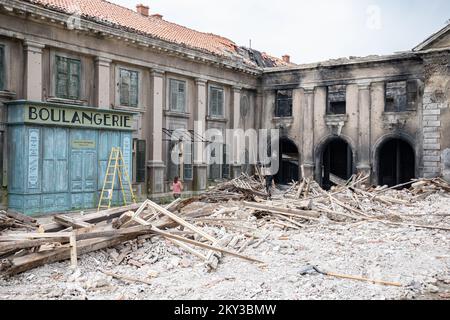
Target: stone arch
(345, 161)
(399, 145)
(289, 161)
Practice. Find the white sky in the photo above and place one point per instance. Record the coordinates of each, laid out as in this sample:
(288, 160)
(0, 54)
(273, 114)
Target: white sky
(310, 31)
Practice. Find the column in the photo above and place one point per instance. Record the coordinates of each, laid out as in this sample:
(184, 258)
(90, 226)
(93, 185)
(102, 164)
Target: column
(364, 121)
(436, 157)
(33, 75)
(200, 166)
(237, 148)
(103, 76)
(156, 165)
(308, 132)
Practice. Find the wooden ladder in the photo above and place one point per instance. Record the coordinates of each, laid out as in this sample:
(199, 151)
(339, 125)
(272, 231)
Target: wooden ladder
(116, 168)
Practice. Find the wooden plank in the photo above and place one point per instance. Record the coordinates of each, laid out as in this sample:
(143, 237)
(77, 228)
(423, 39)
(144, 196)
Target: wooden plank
(31, 261)
(92, 218)
(73, 251)
(181, 221)
(176, 242)
(71, 222)
(337, 181)
(123, 277)
(27, 244)
(299, 213)
(29, 236)
(206, 246)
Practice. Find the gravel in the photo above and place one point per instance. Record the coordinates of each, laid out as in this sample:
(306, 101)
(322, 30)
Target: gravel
(419, 259)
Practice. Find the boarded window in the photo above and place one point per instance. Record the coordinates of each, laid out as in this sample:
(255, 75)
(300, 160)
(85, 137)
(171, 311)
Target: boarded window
(140, 161)
(396, 96)
(68, 78)
(283, 106)
(177, 95)
(2, 68)
(337, 100)
(129, 88)
(216, 102)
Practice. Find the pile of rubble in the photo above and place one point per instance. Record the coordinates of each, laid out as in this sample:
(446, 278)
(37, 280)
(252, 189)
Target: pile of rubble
(306, 202)
(239, 189)
(235, 217)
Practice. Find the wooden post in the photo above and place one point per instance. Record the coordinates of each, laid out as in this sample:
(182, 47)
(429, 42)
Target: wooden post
(73, 251)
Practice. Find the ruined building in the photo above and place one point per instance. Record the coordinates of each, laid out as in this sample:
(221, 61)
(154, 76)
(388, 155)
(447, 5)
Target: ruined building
(78, 77)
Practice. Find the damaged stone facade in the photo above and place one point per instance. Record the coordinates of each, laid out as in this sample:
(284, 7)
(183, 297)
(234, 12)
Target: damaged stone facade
(361, 103)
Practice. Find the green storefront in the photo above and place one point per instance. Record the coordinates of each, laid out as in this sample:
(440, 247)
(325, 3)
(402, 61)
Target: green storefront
(58, 155)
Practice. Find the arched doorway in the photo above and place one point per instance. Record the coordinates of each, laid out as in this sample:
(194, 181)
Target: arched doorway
(337, 162)
(396, 162)
(289, 162)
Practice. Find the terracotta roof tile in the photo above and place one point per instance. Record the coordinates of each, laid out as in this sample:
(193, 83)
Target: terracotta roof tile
(106, 12)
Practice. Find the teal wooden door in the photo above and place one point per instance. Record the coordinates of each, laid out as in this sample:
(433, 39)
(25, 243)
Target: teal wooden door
(83, 172)
(55, 184)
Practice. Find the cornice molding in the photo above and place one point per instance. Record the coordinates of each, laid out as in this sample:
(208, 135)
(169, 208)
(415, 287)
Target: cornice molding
(24, 9)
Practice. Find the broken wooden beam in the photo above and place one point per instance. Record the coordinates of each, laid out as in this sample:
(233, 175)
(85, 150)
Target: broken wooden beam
(72, 222)
(92, 218)
(283, 211)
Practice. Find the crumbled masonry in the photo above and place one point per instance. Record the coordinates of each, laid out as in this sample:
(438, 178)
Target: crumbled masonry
(234, 242)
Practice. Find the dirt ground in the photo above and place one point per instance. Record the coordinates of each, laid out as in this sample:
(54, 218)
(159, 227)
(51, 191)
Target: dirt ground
(418, 259)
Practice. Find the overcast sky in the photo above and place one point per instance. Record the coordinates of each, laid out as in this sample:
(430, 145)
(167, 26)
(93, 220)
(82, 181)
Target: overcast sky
(310, 31)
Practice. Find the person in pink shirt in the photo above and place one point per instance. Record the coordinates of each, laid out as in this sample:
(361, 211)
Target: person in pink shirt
(177, 188)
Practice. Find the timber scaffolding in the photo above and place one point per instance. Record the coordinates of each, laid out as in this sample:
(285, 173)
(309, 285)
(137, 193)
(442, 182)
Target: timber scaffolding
(304, 204)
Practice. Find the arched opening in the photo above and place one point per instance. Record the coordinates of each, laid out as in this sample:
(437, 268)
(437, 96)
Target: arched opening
(289, 162)
(337, 162)
(396, 163)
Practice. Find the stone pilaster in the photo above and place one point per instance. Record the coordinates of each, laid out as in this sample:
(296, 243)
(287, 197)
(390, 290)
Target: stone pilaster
(156, 165)
(435, 99)
(33, 74)
(102, 79)
(308, 131)
(364, 120)
(236, 147)
(200, 166)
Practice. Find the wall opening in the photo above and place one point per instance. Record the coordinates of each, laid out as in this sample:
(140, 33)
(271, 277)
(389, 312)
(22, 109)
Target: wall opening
(396, 163)
(337, 160)
(289, 163)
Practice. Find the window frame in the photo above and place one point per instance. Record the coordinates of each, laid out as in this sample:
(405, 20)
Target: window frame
(52, 97)
(187, 167)
(69, 61)
(331, 107)
(138, 79)
(339, 97)
(140, 177)
(210, 102)
(393, 100)
(288, 99)
(171, 108)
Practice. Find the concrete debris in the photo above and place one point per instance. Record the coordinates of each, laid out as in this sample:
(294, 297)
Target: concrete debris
(374, 242)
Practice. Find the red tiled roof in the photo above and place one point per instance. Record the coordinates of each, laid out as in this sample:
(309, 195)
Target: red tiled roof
(106, 12)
